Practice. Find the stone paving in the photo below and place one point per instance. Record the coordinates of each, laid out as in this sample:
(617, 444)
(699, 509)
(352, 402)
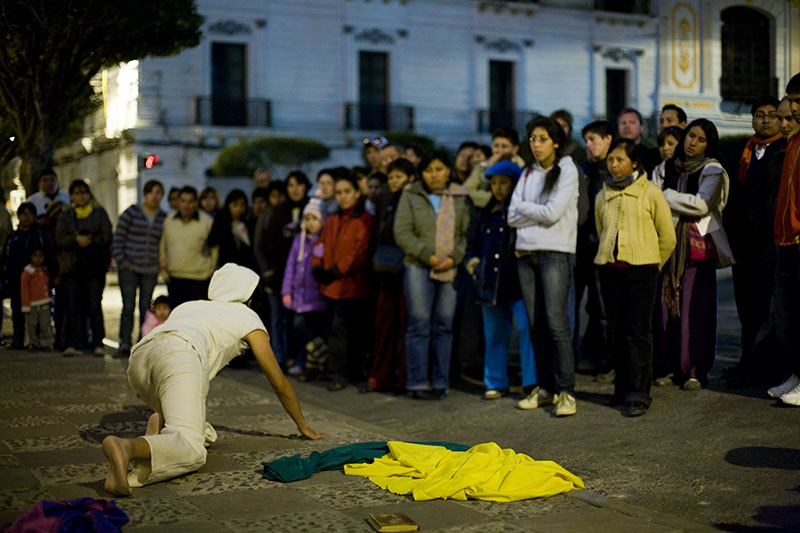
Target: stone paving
(54, 412)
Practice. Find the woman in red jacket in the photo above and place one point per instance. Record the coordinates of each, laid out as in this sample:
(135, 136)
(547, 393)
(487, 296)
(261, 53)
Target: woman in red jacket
(343, 273)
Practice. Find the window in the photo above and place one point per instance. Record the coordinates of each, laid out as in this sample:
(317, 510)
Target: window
(616, 92)
(373, 90)
(501, 94)
(228, 84)
(746, 55)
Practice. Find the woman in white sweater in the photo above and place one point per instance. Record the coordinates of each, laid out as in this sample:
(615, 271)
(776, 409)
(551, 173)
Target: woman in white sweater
(544, 209)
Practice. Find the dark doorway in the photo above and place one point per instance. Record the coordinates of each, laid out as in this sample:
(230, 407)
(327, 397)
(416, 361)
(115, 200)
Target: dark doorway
(228, 84)
(746, 55)
(373, 90)
(616, 92)
(501, 94)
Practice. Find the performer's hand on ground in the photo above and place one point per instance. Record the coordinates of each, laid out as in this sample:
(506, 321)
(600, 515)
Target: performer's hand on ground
(313, 435)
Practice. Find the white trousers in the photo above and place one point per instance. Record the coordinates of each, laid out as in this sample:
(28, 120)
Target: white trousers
(166, 373)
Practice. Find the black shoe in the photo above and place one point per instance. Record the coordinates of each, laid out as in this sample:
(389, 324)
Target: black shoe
(336, 386)
(635, 409)
(433, 394)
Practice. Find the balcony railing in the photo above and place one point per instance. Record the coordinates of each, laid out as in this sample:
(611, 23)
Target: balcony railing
(225, 112)
(379, 117)
(491, 119)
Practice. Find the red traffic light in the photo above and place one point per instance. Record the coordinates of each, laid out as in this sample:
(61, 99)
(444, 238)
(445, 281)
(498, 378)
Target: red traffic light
(151, 160)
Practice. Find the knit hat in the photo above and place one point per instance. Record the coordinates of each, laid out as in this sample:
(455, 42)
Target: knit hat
(232, 283)
(316, 208)
(504, 168)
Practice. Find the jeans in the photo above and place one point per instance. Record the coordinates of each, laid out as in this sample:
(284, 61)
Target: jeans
(786, 304)
(431, 306)
(545, 278)
(497, 324)
(280, 321)
(630, 295)
(129, 282)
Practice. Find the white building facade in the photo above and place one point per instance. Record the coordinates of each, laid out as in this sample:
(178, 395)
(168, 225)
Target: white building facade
(339, 70)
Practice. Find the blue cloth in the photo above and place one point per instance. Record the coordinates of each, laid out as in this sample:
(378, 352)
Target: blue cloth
(85, 515)
(436, 201)
(295, 467)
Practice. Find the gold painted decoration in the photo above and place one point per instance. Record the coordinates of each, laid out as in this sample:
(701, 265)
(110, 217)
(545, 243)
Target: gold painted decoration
(685, 45)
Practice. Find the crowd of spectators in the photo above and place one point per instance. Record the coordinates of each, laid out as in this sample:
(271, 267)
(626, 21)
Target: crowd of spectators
(395, 274)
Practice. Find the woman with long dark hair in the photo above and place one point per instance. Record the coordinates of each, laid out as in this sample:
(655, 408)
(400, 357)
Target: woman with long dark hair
(696, 188)
(284, 226)
(231, 234)
(544, 209)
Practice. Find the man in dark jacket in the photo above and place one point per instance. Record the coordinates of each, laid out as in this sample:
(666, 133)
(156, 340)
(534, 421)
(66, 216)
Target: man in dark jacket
(749, 218)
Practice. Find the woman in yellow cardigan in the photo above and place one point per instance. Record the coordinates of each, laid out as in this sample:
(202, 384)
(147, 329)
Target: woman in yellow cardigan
(636, 239)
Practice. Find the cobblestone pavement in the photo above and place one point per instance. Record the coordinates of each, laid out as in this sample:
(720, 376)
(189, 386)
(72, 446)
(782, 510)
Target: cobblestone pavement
(696, 461)
(54, 412)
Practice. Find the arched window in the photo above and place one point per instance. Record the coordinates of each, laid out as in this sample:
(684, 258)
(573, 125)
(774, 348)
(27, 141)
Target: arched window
(747, 55)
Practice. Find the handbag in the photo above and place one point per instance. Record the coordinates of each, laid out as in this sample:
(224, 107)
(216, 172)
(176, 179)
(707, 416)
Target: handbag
(701, 247)
(388, 258)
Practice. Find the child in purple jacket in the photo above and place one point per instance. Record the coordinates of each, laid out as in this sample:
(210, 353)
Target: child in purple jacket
(300, 291)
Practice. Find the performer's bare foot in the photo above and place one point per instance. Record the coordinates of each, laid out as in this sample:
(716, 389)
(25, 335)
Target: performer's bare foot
(118, 459)
(154, 424)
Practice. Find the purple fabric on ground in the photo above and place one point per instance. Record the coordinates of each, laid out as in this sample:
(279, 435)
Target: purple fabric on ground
(85, 515)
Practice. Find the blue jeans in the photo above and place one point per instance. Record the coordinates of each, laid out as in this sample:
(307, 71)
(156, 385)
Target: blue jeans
(786, 304)
(497, 324)
(431, 307)
(129, 282)
(281, 320)
(545, 278)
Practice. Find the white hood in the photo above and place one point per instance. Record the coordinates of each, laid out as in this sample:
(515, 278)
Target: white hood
(232, 283)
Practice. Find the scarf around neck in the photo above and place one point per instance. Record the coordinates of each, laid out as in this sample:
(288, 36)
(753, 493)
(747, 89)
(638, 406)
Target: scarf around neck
(446, 228)
(619, 183)
(83, 212)
(747, 153)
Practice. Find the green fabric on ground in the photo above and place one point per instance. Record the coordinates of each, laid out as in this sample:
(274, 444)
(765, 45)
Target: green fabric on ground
(296, 467)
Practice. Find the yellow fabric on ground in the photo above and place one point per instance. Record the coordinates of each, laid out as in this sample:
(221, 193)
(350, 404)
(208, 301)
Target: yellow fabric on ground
(484, 472)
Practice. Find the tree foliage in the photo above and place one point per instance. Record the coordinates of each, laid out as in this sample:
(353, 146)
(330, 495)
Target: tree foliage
(50, 50)
(244, 158)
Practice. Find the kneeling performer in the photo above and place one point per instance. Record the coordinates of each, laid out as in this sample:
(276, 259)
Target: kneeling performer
(170, 369)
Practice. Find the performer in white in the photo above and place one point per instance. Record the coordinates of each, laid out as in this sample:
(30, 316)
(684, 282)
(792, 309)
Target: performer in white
(170, 370)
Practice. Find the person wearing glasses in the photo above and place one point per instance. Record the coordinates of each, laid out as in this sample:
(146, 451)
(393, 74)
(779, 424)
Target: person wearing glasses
(749, 219)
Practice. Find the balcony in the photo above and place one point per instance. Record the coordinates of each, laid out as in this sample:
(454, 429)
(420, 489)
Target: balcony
(491, 119)
(378, 117)
(223, 112)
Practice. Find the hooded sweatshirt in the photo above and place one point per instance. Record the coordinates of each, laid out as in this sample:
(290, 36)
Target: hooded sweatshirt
(215, 328)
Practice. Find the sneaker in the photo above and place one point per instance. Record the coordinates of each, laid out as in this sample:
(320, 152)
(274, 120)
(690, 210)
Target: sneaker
(692, 385)
(606, 377)
(784, 388)
(537, 398)
(664, 381)
(295, 370)
(492, 394)
(565, 404)
(99, 351)
(792, 397)
(70, 352)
